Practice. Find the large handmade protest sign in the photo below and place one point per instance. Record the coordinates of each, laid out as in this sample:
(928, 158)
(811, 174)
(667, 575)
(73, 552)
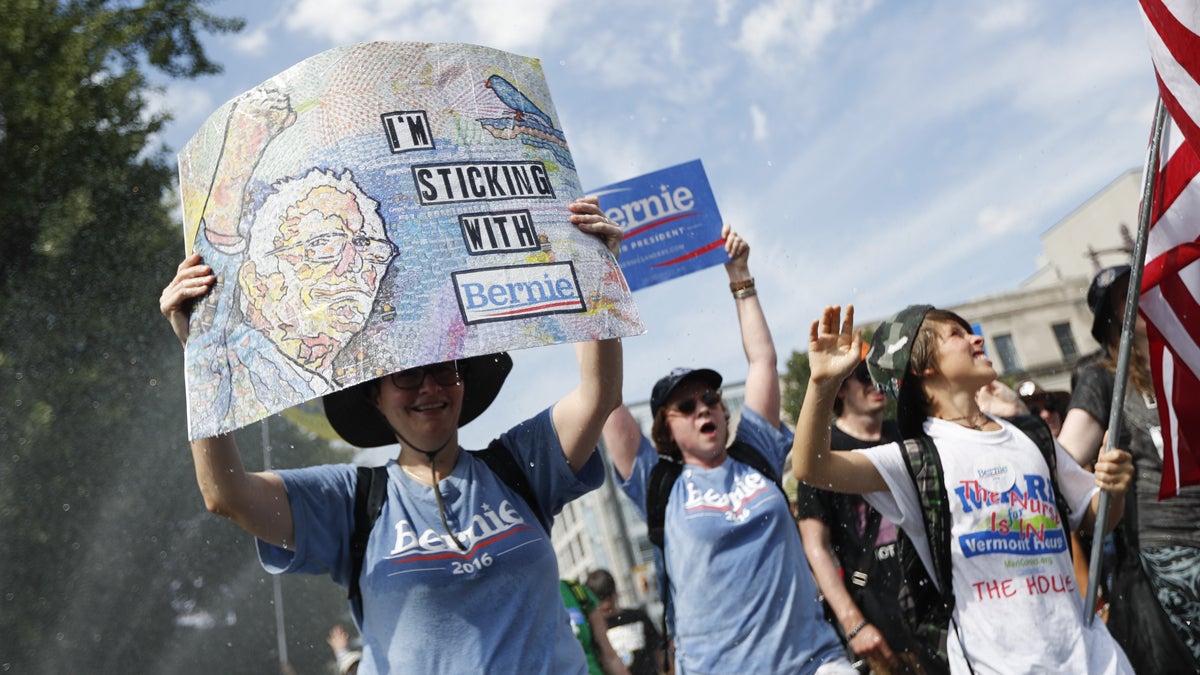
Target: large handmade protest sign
(671, 223)
(378, 207)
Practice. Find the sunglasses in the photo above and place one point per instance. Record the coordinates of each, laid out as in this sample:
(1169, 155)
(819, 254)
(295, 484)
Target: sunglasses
(687, 406)
(862, 375)
(445, 374)
(1036, 410)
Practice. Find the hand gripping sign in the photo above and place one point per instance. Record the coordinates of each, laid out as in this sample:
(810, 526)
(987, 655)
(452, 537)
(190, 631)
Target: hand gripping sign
(378, 207)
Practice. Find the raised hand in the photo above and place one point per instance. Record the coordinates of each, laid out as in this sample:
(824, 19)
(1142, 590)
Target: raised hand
(587, 216)
(736, 248)
(997, 398)
(834, 347)
(192, 280)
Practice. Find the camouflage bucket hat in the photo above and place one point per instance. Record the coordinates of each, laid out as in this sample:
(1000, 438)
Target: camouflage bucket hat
(891, 346)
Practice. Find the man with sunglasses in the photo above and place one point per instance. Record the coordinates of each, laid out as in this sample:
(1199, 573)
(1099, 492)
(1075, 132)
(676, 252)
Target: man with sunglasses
(739, 597)
(850, 547)
(1051, 406)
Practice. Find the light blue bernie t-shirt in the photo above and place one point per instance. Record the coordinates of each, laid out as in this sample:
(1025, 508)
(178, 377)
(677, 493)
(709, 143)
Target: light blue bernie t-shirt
(427, 606)
(742, 596)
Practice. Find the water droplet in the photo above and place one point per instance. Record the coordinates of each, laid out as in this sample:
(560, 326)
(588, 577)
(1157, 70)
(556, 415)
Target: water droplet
(66, 507)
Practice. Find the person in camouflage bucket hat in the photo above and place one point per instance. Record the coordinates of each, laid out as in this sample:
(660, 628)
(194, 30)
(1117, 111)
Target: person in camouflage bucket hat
(994, 483)
(891, 346)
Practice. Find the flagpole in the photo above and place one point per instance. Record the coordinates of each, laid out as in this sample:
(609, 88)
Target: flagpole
(280, 629)
(1150, 173)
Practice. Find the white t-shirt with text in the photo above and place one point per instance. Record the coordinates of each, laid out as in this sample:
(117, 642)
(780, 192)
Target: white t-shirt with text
(1017, 605)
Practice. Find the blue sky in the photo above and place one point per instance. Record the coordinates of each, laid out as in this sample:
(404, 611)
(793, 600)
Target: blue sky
(879, 153)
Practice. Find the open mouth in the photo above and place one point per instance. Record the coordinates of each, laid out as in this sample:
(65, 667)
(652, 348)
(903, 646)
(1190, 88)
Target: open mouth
(708, 428)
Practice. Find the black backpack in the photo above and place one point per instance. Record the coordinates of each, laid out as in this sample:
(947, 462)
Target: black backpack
(928, 610)
(371, 491)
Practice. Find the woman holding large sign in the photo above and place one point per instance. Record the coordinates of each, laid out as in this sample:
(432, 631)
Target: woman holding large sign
(458, 573)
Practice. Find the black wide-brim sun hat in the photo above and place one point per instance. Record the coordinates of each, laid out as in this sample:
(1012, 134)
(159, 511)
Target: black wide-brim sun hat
(355, 418)
(1100, 296)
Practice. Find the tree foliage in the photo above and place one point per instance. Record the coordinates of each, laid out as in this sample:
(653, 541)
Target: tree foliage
(108, 560)
(795, 384)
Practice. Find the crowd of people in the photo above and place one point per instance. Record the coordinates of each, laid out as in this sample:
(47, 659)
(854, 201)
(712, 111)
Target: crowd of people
(939, 541)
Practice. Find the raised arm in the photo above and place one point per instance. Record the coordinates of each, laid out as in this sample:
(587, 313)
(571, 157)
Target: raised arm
(832, 355)
(255, 119)
(762, 376)
(622, 437)
(257, 502)
(579, 417)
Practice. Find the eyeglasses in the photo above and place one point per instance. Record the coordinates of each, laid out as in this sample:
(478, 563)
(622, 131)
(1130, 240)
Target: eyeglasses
(862, 375)
(328, 248)
(688, 405)
(445, 374)
(1036, 410)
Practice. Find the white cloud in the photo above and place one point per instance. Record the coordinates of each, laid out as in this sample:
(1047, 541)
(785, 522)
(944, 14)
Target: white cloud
(998, 220)
(253, 42)
(512, 26)
(724, 11)
(778, 31)
(758, 123)
(188, 102)
(1004, 15)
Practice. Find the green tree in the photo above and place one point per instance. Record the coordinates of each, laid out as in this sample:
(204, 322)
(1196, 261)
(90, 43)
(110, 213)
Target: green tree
(106, 552)
(795, 384)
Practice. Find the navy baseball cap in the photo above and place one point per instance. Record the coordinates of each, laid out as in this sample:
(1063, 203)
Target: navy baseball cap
(667, 384)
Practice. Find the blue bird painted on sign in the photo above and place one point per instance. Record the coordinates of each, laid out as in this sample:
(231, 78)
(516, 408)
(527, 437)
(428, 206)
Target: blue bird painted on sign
(520, 103)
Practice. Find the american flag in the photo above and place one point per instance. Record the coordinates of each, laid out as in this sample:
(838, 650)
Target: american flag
(1170, 297)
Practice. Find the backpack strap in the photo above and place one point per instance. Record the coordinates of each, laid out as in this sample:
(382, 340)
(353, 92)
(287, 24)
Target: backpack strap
(369, 494)
(925, 469)
(502, 463)
(658, 491)
(929, 607)
(1037, 431)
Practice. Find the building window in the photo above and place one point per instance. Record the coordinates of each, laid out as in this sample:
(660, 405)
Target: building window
(1066, 341)
(1008, 353)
